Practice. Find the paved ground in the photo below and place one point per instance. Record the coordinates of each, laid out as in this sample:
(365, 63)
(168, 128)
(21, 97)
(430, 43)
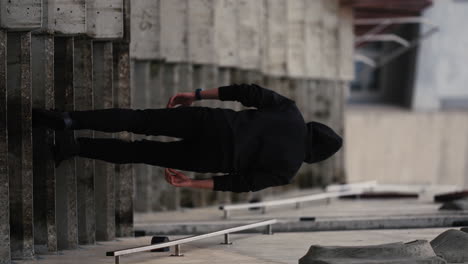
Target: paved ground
(247, 248)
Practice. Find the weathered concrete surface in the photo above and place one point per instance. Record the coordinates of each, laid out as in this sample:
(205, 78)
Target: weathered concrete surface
(459, 205)
(296, 29)
(45, 229)
(201, 28)
(452, 245)
(21, 15)
(64, 16)
(105, 19)
(249, 28)
(66, 186)
(226, 33)
(274, 59)
(418, 251)
(104, 171)
(146, 30)
(123, 172)
(314, 36)
(83, 82)
(174, 30)
(20, 144)
(346, 43)
(4, 180)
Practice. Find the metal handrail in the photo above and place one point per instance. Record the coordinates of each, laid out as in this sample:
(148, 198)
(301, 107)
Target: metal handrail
(296, 200)
(178, 242)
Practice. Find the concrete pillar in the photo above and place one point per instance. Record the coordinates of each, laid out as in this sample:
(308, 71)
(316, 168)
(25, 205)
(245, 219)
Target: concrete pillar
(105, 19)
(104, 171)
(225, 33)
(201, 28)
(250, 19)
(296, 44)
(141, 172)
(346, 43)
(174, 32)
(67, 221)
(313, 38)
(45, 229)
(123, 172)
(4, 180)
(330, 45)
(83, 83)
(274, 57)
(145, 28)
(20, 144)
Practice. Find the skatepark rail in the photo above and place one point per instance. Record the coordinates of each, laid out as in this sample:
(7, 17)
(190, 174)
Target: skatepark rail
(178, 242)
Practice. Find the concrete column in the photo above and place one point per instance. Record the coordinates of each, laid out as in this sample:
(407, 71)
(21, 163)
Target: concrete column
(346, 43)
(274, 57)
(330, 45)
(4, 180)
(83, 82)
(145, 28)
(141, 172)
(123, 172)
(250, 19)
(104, 171)
(225, 33)
(201, 28)
(296, 44)
(313, 38)
(20, 144)
(174, 32)
(45, 229)
(67, 221)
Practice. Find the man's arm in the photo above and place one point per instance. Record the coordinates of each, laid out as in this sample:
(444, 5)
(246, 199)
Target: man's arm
(178, 179)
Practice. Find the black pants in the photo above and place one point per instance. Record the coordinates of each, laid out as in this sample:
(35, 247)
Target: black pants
(204, 145)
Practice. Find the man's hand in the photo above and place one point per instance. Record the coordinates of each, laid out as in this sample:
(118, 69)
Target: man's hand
(184, 99)
(177, 178)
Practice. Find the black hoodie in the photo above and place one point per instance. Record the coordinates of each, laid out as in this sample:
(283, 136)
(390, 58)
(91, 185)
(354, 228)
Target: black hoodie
(270, 142)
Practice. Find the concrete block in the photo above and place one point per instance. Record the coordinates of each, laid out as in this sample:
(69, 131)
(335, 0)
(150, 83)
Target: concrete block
(104, 171)
(123, 172)
(4, 180)
(226, 33)
(346, 43)
(330, 45)
(83, 83)
(452, 246)
(249, 15)
(313, 39)
(64, 16)
(274, 57)
(20, 15)
(45, 229)
(174, 30)
(201, 28)
(20, 154)
(418, 251)
(146, 30)
(296, 36)
(459, 205)
(66, 186)
(104, 19)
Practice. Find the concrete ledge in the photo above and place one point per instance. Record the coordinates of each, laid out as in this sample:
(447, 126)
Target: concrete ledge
(192, 228)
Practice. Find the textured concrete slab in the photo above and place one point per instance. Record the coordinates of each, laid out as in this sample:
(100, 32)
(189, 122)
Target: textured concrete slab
(123, 172)
(274, 58)
(249, 30)
(226, 33)
(66, 185)
(104, 180)
(330, 42)
(83, 82)
(64, 16)
(21, 15)
(201, 28)
(418, 251)
(314, 35)
(296, 13)
(4, 180)
(20, 156)
(346, 43)
(174, 30)
(45, 229)
(458, 205)
(146, 30)
(452, 246)
(104, 19)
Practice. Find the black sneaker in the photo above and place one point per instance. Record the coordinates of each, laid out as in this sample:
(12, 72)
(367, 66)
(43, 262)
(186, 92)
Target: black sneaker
(53, 119)
(65, 147)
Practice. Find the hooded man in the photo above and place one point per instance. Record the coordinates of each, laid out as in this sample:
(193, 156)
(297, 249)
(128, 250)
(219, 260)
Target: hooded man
(255, 148)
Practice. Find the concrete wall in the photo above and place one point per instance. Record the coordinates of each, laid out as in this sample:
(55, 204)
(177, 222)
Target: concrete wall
(441, 68)
(301, 49)
(402, 147)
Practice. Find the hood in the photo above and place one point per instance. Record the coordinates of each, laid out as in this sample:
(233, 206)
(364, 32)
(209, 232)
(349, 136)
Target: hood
(321, 142)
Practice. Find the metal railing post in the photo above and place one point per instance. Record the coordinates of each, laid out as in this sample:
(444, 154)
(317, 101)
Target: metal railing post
(226, 240)
(117, 259)
(177, 251)
(226, 214)
(269, 230)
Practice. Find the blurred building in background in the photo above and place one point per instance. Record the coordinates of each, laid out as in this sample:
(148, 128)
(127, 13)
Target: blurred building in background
(406, 120)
